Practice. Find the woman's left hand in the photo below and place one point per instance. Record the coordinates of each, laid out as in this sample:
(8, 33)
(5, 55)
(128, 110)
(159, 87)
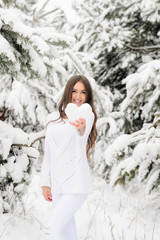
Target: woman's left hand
(81, 123)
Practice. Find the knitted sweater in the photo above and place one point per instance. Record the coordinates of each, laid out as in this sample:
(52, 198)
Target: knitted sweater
(65, 166)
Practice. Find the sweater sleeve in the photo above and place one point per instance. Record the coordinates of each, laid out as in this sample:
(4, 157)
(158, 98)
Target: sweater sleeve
(89, 123)
(45, 174)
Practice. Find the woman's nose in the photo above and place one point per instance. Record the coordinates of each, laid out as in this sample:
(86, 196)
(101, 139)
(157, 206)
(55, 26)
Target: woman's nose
(78, 95)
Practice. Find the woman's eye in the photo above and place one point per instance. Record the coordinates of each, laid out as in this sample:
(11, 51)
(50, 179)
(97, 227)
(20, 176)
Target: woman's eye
(73, 91)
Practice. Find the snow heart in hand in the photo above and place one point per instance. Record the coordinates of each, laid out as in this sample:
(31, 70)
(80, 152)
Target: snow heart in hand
(74, 113)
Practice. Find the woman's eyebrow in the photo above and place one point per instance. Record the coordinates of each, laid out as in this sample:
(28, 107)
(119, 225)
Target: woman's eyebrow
(77, 89)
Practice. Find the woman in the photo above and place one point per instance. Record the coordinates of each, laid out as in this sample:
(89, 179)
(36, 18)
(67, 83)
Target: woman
(65, 175)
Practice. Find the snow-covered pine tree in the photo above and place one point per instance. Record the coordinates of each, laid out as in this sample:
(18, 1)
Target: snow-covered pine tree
(136, 155)
(47, 14)
(137, 152)
(30, 68)
(121, 35)
(143, 94)
(18, 154)
(132, 39)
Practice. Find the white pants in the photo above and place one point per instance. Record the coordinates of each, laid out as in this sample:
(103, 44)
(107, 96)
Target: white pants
(61, 223)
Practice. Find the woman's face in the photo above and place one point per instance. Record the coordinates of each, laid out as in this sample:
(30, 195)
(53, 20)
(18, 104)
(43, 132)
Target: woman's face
(79, 94)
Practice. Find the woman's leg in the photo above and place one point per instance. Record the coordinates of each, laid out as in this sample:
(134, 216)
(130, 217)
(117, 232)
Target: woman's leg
(54, 202)
(69, 230)
(61, 224)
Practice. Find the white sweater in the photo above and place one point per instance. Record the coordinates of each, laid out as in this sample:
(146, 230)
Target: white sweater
(65, 166)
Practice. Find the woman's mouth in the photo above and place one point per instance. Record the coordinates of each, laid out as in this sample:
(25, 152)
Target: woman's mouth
(77, 102)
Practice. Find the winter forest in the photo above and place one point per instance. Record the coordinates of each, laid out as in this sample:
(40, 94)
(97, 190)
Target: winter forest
(116, 45)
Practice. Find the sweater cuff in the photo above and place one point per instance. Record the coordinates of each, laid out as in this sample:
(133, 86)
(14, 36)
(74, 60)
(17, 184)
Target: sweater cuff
(81, 131)
(45, 183)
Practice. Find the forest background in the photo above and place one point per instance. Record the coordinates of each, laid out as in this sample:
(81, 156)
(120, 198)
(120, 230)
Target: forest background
(116, 44)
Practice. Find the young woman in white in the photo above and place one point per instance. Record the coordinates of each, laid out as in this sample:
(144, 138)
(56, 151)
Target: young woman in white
(65, 175)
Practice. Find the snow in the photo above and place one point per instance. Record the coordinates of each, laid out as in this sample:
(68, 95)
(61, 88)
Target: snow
(150, 10)
(106, 215)
(9, 166)
(119, 146)
(40, 44)
(152, 181)
(142, 91)
(112, 125)
(19, 168)
(126, 166)
(6, 49)
(5, 144)
(37, 63)
(17, 135)
(2, 172)
(51, 36)
(11, 135)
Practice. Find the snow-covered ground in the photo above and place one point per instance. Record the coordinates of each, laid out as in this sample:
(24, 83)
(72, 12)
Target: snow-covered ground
(106, 215)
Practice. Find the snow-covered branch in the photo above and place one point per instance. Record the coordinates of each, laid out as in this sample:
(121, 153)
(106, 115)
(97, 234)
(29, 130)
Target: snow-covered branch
(136, 154)
(154, 47)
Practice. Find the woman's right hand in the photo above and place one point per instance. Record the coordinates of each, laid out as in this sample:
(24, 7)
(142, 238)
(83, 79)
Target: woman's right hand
(47, 193)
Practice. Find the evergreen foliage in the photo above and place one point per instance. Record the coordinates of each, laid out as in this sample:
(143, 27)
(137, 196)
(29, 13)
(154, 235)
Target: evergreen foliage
(18, 157)
(138, 156)
(143, 95)
(29, 59)
(137, 153)
(121, 35)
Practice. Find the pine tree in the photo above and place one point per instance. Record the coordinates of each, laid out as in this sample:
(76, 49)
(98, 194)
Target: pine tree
(143, 95)
(136, 155)
(121, 35)
(18, 157)
(29, 56)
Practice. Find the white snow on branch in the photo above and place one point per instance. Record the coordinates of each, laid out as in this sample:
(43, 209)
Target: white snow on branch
(20, 166)
(150, 10)
(117, 149)
(51, 36)
(6, 49)
(36, 62)
(107, 120)
(39, 44)
(124, 168)
(5, 145)
(17, 135)
(153, 181)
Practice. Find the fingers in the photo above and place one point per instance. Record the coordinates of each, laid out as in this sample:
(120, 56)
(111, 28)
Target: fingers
(80, 124)
(47, 193)
(49, 196)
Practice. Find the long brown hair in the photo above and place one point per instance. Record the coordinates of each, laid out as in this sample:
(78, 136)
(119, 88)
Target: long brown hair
(67, 98)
